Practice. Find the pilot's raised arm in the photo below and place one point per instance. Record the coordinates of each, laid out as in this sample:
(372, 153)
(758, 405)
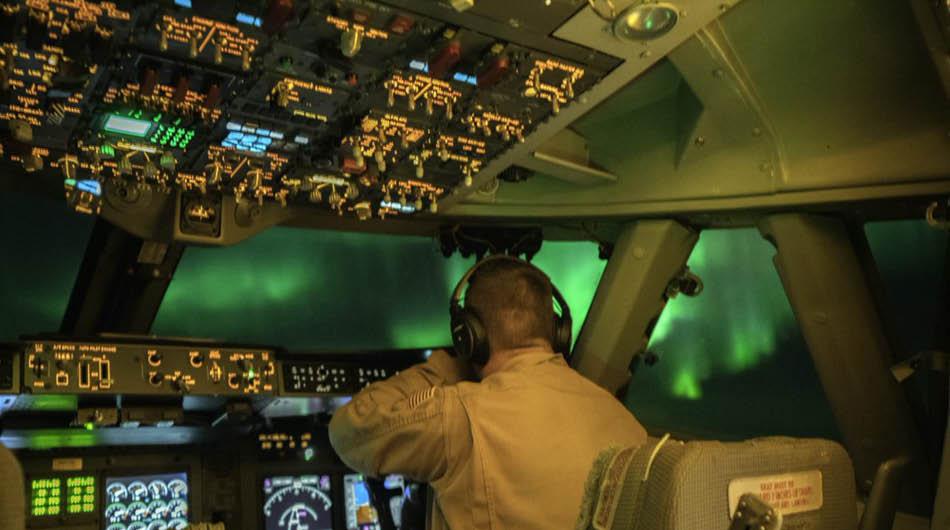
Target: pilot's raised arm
(512, 450)
(406, 424)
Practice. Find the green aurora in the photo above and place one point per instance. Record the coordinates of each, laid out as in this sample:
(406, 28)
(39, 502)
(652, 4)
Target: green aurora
(317, 290)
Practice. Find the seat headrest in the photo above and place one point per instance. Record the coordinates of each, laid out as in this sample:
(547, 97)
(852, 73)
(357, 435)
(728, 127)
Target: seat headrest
(12, 501)
(671, 485)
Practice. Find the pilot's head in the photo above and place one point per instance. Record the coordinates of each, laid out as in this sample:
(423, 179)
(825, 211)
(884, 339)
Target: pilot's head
(513, 301)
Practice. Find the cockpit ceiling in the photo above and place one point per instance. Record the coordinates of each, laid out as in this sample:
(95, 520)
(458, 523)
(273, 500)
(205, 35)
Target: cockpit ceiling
(769, 105)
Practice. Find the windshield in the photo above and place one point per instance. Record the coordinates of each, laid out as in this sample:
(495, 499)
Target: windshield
(43, 244)
(322, 290)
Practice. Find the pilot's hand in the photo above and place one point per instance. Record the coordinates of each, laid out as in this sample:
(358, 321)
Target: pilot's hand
(452, 369)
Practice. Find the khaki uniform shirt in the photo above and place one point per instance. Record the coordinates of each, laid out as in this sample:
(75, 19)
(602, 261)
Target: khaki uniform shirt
(510, 452)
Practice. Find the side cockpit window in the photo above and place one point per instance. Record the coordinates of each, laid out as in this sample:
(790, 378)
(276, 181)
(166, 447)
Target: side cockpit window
(732, 362)
(42, 244)
(911, 258)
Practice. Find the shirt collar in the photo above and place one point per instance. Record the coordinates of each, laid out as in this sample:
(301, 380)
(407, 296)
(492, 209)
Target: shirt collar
(526, 357)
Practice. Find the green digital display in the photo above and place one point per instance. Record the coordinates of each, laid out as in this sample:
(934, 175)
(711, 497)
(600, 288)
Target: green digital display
(115, 123)
(140, 125)
(45, 496)
(81, 495)
(172, 136)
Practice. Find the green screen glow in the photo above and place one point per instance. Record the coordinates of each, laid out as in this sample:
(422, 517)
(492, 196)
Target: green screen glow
(308, 289)
(115, 123)
(81, 494)
(45, 496)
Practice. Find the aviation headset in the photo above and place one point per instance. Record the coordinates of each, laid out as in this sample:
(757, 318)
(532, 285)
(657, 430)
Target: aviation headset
(468, 333)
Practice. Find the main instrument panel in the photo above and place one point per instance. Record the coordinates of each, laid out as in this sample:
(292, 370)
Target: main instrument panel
(354, 107)
(139, 489)
(249, 427)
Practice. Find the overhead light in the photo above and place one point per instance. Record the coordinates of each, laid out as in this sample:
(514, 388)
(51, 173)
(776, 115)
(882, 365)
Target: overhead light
(461, 5)
(643, 21)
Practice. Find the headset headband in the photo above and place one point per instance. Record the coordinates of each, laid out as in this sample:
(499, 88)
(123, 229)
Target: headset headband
(456, 302)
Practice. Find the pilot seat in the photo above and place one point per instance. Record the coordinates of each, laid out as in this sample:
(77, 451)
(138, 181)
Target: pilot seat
(672, 485)
(12, 501)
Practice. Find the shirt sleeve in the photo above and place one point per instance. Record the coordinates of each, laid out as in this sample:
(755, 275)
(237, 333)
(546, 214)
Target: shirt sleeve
(401, 425)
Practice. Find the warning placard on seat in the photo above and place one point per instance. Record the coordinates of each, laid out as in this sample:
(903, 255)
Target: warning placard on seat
(788, 493)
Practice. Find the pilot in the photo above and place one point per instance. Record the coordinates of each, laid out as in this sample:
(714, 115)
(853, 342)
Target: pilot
(505, 432)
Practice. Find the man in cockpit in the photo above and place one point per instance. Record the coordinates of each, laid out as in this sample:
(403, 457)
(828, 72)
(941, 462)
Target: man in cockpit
(505, 432)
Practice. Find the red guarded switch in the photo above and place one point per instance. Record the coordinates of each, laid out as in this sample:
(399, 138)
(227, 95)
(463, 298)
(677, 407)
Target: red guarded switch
(445, 59)
(401, 24)
(147, 81)
(353, 167)
(181, 89)
(278, 12)
(496, 70)
(212, 96)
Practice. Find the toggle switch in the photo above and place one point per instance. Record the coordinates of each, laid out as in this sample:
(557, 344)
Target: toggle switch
(351, 42)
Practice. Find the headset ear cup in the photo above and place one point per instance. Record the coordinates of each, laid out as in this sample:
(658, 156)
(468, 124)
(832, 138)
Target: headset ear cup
(469, 337)
(461, 335)
(562, 336)
(481, 349)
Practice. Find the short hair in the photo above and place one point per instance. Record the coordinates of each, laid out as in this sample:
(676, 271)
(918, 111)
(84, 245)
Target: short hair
(513, 300)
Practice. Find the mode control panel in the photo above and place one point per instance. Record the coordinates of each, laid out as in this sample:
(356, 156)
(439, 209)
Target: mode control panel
(303, 377)
(146, 369)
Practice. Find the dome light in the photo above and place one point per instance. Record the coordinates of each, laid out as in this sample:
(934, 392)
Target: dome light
(643, 21)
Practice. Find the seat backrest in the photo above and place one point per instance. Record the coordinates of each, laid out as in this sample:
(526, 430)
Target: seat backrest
(12, 501)
(671, 485)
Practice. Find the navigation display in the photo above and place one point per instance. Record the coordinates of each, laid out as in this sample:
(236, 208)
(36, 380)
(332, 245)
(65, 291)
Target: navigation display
(301, 502)
(146, 502)
(362, 513)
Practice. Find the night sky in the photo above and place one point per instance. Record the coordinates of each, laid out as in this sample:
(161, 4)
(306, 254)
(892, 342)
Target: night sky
(733, 362)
